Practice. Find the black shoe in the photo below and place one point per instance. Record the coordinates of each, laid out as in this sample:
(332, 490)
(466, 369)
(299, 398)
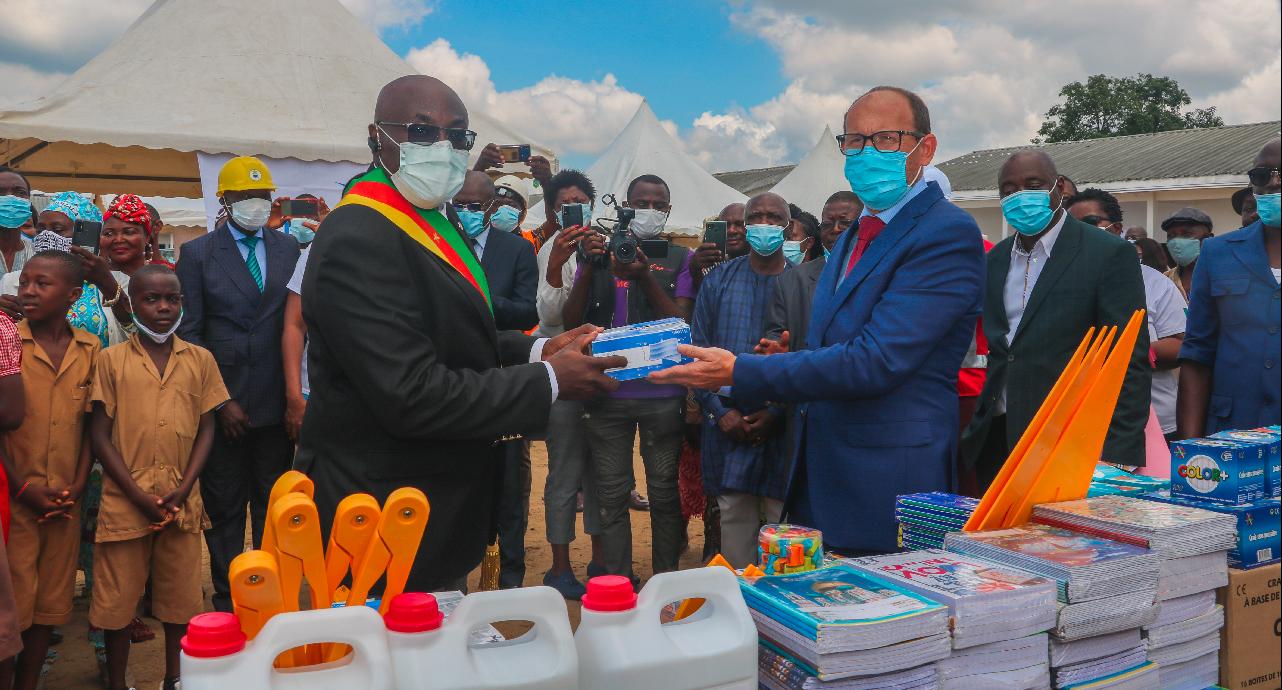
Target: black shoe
(638, 502)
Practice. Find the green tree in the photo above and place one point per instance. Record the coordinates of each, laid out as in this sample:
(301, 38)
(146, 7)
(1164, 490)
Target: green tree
(1113, 106)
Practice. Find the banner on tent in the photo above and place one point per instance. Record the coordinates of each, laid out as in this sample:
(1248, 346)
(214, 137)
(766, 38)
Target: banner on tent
(324, 179)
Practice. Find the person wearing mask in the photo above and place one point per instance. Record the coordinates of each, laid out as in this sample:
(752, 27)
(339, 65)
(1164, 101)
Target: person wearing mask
(709, 255)
(1048, 284)
(509, 194)
(293, 337)
(303, 228)
(411, 383)
(744, 462)
(1166, 307)
(613, 294)
(1243, 202)
(1152, 255)
(1185, 230)
(234, 293)
(801, 241)
(1230, 358)
(490, 158)
(15, 213)
(894, 312)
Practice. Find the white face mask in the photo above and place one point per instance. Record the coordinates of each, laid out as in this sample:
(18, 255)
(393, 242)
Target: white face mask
(158, 338)
(251, 214)
(430, 174)
(648, 223)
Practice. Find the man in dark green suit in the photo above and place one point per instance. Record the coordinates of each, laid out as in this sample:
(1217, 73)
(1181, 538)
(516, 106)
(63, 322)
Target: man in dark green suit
(1049, 283)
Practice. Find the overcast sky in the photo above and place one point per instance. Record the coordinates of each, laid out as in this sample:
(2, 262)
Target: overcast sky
(752, 83)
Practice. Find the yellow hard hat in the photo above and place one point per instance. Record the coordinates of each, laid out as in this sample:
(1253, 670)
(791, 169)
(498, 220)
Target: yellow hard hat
(242, 173)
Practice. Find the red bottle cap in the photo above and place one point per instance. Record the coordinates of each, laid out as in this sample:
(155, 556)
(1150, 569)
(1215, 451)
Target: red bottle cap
(609, 593)
(212, 635)
(413, 612)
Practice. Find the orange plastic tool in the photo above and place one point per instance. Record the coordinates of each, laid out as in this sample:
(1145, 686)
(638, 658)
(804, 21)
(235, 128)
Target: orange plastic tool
(298, 544)
(355, 523)
(689, 606)
(255, 590)
(393, 548)
(291, 482)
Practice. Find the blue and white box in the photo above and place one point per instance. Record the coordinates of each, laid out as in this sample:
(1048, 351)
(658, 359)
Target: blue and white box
(1259, 525)
(649, 347)
(1272, 443)
(1219, 471)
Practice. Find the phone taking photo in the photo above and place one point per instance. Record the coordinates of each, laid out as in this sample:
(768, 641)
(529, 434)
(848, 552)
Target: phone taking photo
(571, 215)
(86, 234)
(714, 232)
(515, 153)
(300, 208)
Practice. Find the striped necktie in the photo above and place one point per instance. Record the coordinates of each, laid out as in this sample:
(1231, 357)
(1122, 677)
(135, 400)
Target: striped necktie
(251, 260)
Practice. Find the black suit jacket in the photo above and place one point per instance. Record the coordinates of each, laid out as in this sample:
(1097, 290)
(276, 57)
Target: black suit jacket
(1091, 279)
(406, 386)
(224, 312)
(513, 275)
(790, 308)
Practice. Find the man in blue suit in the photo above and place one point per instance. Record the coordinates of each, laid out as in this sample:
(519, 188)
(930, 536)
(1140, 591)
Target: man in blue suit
(234, 288)
(894, 312)
(1230, 357)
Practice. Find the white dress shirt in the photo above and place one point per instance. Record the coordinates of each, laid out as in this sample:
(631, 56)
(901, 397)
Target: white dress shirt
(478, 243)
(1025, 268)
(551, 300)
(260, 247)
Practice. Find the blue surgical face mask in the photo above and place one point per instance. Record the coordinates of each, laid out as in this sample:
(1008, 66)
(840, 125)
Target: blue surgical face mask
(473, 222)
(1266, 205)
(827, 253)
(879, 178)
(14, 211)
(1029, 211)
(792, 252)
(764, 239)
(1184, 250)
(505, 218)
(301, 232)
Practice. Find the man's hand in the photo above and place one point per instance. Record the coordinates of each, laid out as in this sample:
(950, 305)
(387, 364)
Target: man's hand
(731, 424)
(631, 271)
(491, 157)
(593, 243)
(295, 408)
(580, 376)
(774, 347)
(560, 342)
(705, 257)
(276, 219)
(233, 420)
(563, 247)
(541, 170)
(11, 307)
(759, 425)
(712, 369)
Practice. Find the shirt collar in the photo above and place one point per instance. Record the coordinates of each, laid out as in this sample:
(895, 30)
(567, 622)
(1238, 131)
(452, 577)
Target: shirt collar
(237, 234)
(482, 238)
(1046, 242)
(889, 214)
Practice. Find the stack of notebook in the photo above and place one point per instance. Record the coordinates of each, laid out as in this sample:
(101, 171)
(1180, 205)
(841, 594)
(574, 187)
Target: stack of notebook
(925, 518)
(779, 670)
(1184, 640)
(838, 622)
(1017, 664)
(987, 603)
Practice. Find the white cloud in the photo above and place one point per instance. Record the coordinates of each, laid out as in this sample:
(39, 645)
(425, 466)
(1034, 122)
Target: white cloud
(1254, 99)
(387, 13)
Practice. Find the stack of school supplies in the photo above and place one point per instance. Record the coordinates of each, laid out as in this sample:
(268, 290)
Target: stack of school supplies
(1116, 660)
(1109, 480)
(837, 622)
(1015, 664)
(925, 518)
(1258, 527)
(1143, 677)
(779, 670)
(987, 603)
(1184, 640)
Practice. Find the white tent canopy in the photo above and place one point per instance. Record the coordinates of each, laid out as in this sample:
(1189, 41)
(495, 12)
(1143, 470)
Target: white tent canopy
(644, 146)
(279, 78)
(816, 177)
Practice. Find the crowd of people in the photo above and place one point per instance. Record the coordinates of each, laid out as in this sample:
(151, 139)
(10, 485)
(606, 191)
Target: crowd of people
(418, 335)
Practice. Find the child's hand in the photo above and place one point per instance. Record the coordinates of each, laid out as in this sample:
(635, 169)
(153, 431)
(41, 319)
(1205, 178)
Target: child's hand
(172, 503)
(47, 502)
(151, 506)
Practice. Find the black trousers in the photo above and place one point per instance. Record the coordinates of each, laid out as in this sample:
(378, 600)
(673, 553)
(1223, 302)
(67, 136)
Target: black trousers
(239, 474)
(993, 454)
(514, 513)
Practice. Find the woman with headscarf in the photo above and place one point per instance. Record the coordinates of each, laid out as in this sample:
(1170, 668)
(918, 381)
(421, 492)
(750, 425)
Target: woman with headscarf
(128, 236)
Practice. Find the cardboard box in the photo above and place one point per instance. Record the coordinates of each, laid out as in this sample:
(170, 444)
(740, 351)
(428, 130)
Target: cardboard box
(1250, 646)
(1259, 525)
(1272, 443)
(648, 347)
(1219, 471)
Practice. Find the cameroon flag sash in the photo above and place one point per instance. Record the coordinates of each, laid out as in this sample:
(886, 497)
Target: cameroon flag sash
(428, 227)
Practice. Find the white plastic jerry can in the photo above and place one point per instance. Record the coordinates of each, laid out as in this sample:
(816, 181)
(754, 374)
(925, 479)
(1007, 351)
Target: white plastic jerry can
(624, 646)
(216, 655)
(431, 654)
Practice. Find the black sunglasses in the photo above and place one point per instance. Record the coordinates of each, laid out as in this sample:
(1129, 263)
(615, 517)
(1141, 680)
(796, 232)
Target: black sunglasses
(419, 133)
(1261, 176)
(466, 207)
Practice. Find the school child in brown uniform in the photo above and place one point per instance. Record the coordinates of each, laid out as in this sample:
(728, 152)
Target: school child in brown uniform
(49, 454)
(153, 402)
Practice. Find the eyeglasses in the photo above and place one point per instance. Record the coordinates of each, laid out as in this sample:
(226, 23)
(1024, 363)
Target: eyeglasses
(887, 140)
(466, 207)
(1261, 175)
(1097, 220)
(842, 225)
(419, 133)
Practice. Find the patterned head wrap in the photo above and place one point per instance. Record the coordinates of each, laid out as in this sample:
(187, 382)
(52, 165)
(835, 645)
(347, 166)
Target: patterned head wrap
(131, 209)
(75, 205)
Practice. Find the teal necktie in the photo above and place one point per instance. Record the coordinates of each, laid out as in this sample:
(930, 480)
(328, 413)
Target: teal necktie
(251, 260)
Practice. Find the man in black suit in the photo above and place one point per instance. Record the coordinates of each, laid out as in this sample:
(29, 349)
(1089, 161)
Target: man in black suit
(234, 293)
(411, 383)
(1049, 283)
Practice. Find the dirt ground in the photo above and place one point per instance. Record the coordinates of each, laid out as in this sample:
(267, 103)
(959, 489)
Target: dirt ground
(76, 669)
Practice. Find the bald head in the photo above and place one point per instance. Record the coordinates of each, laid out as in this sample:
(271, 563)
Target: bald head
(1030, 169)
(478, 188)
(767, 208)
(412, 98)
(1269, 157)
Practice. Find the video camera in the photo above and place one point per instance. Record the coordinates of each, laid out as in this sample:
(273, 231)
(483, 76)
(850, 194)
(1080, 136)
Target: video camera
(621, 244)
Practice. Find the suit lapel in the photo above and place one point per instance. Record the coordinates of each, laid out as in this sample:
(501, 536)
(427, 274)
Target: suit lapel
(1063, 254)
(1248, 247)
(227, 254)
(278, 268)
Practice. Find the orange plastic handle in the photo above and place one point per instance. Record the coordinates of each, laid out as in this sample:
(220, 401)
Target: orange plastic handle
(688, 607)
(298, 539)
(292, 482)
(255, 590)
(392, 551)
(355, 524)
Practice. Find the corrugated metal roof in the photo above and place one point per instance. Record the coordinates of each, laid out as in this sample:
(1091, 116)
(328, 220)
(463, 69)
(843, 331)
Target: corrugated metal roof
(754, 181)
(1165, 155)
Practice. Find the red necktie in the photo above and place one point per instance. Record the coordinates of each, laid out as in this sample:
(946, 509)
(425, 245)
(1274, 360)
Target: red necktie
(869, 228)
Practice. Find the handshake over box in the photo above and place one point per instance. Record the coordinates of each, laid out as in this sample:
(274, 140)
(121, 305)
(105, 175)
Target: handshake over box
(648, 347)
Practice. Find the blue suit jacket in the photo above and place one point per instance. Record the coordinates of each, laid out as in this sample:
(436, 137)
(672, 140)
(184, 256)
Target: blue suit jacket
(513, 275)
(1233, 328)
(880, 373)
(224, 312)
